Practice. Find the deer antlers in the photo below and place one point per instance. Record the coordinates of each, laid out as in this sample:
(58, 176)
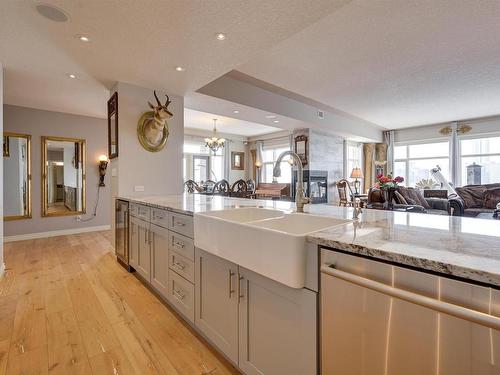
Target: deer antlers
(167, 102)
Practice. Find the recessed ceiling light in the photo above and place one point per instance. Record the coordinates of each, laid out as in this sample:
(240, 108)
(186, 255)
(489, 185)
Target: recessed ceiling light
(236, 111)
(179, 68)
(72, 76)
(276, 121)
(270, 116)
(52, 13)
(220, 36)
(83, 38)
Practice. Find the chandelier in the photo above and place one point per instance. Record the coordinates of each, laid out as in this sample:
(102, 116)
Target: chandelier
(214, 143)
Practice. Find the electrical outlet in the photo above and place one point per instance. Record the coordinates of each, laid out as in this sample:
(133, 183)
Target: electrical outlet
(138, 188)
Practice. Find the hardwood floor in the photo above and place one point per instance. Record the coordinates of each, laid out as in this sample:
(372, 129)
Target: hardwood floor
(67, 307)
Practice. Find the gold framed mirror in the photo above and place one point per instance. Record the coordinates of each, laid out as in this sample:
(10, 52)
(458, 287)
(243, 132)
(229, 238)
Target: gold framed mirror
(63, 176)
(16, 176)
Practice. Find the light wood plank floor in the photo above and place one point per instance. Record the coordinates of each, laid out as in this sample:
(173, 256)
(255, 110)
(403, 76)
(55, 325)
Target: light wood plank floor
(67, 307)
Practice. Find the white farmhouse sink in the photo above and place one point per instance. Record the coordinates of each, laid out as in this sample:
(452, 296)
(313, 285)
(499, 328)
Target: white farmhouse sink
(265, 241)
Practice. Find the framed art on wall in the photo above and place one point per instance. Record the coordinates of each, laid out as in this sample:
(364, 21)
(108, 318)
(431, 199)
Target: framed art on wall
(301, 148)
(113, 126)
(238, 161)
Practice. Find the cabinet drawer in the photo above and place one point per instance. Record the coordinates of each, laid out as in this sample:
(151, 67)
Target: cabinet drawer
(181, 244)
(181, 295)
(144, 212)
(182, 265)
(182, 224)
(133, 209)
(159, 217)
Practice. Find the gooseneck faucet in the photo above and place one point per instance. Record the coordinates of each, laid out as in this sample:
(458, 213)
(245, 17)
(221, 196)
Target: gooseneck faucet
(300, 197)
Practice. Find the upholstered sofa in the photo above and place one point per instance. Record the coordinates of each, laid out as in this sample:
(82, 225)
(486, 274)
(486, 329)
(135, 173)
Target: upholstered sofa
(410, 200)
(473, 200)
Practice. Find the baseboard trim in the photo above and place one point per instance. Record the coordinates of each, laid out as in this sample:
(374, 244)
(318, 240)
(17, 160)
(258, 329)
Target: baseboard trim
(55, 233)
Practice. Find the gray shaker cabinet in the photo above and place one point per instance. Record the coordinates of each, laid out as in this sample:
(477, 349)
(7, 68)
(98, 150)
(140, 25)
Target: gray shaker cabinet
(159, 259)
(134, 241)
(216, 302)
(277, 327)
(143, 266)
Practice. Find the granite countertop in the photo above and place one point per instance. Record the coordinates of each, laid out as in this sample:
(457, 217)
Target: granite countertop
(463, 247)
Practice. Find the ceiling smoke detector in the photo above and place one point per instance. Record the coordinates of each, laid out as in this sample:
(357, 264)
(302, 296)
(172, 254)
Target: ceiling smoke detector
(52, 13)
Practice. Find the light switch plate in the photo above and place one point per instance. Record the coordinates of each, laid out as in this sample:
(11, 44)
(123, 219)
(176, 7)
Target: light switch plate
(138, 188)
(113, 172)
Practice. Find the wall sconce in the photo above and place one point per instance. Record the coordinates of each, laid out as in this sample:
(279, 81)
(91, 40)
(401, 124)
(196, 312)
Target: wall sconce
(103, 165)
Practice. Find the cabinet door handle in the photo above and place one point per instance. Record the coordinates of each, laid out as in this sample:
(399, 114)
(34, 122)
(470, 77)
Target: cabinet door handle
(179, 265)
(150, 236)
(240, 288)
(179, 295)
(231, 290)
(145, 236)
(179, 245)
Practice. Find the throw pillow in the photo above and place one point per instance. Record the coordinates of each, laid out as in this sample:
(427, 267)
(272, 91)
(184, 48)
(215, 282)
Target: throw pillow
(473, 196)
(419, 199)
(406, 195)
(399, 198)
(492, 198)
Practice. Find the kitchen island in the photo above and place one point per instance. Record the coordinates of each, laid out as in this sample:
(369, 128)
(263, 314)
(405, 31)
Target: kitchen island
(405, 282)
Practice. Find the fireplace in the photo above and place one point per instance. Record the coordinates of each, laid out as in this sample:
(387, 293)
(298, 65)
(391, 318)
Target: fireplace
(315, 185)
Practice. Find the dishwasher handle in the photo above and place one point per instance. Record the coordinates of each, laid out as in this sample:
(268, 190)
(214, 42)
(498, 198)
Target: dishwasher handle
(457, 311)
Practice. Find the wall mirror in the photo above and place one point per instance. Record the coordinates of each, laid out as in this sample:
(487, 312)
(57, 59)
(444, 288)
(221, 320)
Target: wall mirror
(16, 176)
(63, 176)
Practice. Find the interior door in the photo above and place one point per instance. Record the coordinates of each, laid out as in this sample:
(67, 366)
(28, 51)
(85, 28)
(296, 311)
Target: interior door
(216, 302)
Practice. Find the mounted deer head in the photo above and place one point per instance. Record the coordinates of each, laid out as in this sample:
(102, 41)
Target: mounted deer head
(161, 110)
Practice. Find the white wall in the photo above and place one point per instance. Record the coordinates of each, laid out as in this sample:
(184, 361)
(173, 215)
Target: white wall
(159, 172)
(40, 123)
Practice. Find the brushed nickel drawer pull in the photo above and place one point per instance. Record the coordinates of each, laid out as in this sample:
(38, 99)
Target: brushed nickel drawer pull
(179, 265)
(180, 245)
(179, 295)
(180, 224)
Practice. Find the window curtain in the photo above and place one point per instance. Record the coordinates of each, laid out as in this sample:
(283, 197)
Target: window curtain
(368, 165)
(227, 160)
(389, 141)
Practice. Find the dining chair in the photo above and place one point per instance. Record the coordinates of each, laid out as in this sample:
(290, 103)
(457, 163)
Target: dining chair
(345, 192)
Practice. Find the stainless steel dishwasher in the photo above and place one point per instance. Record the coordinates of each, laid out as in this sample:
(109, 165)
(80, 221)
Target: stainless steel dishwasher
(377, 318)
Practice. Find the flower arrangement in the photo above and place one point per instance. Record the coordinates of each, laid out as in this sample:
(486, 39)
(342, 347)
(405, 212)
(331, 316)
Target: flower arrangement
(387, 182)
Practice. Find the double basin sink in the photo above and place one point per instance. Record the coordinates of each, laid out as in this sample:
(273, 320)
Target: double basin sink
(267, 241)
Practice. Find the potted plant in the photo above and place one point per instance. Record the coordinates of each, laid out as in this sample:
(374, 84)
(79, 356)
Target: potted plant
(388, 186)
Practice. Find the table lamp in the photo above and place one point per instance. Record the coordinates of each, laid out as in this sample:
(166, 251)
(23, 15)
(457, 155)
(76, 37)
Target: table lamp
(356, 174)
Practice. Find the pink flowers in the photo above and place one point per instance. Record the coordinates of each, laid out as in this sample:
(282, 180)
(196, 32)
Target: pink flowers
(385, 182)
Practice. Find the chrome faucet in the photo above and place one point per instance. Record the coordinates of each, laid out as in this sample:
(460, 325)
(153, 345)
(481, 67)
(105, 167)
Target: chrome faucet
(300, 197)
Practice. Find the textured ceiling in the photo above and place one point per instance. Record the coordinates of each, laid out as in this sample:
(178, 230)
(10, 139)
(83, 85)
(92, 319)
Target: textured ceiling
(394, 63)
(204, 121)
(139, 42)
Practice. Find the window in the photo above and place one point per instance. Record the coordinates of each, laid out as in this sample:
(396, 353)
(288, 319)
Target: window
(196, 160)
(485, 153)
(415, 161)
(354, 157)
(269, 156)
